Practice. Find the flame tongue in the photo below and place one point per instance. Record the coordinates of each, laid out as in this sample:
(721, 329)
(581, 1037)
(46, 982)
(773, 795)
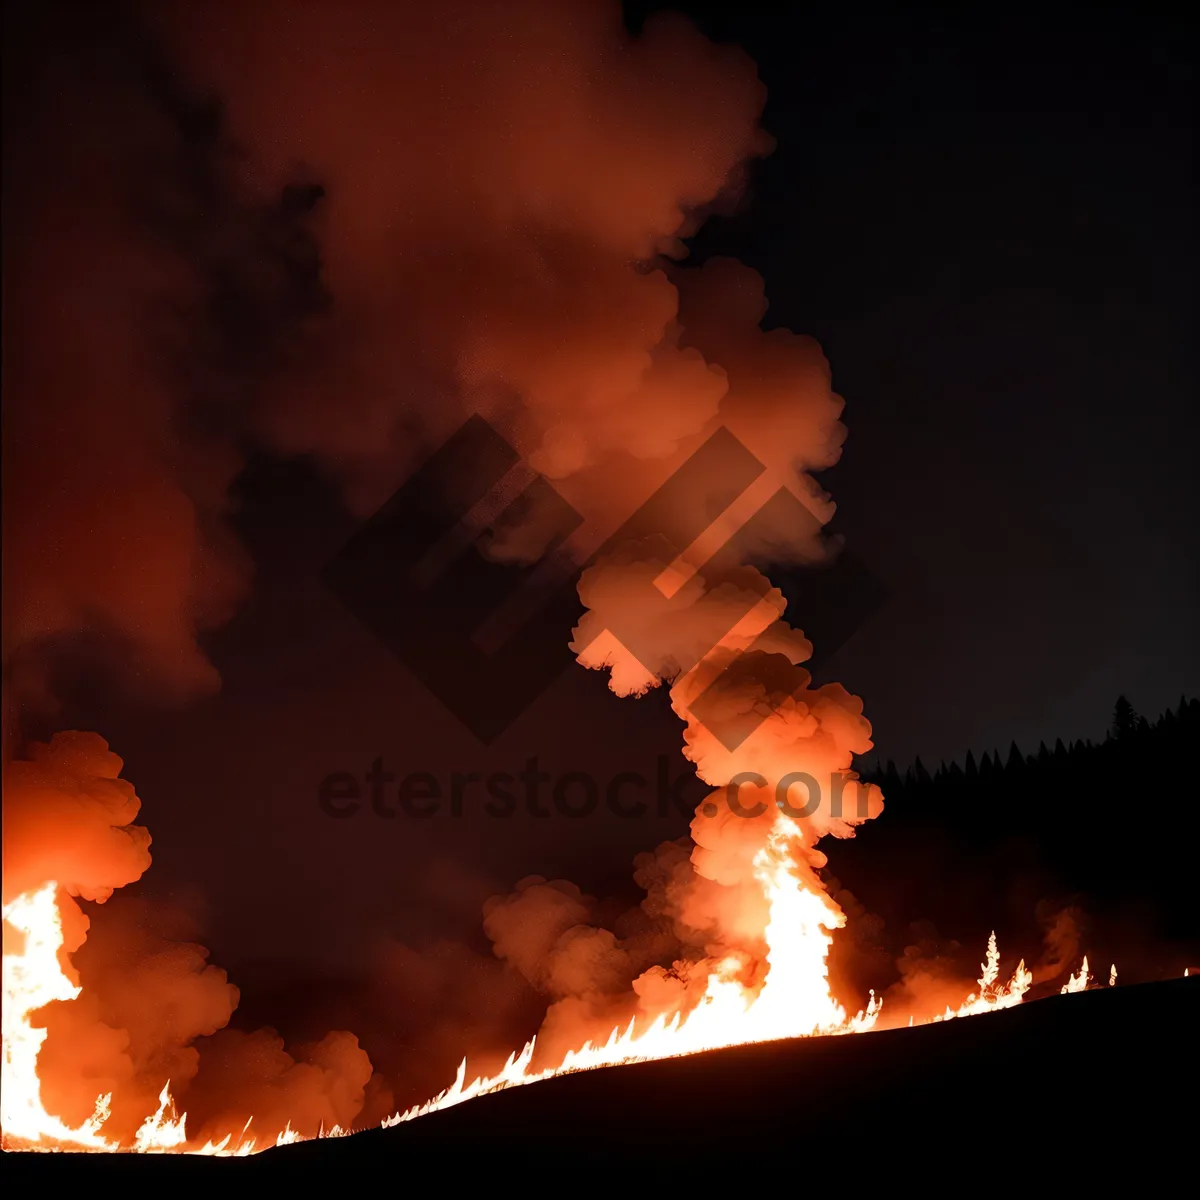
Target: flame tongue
(795, 999)
(33, 978)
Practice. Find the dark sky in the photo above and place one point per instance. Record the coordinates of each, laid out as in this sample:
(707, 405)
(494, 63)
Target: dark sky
(989, 228)
(990, 232)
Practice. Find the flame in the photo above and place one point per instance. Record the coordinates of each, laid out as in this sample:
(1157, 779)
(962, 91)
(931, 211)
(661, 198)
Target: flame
(161, 1132)
(794, 1001)
(1078, 983)
(992, 995)
(32, 978)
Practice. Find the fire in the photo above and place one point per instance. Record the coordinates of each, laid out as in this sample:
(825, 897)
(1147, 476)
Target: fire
(794, 1000)
(1078, 983)
(34, 977)
(164, 1129)
(993, 995)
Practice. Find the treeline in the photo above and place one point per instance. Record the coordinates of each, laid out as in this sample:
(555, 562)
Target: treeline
(1113, 825)
(1131, 740)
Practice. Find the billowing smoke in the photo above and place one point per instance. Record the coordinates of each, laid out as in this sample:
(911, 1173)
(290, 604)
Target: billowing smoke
(294, 239)
(150, 1000)
(494, 219)
(334, 232)
(68, 818)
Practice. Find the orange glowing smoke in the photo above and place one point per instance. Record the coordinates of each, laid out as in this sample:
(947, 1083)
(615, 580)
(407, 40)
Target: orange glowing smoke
(90, 1055)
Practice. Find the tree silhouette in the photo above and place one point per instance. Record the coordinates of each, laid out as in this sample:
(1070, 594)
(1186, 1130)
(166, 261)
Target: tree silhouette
(1124, 719)
(1016, 760)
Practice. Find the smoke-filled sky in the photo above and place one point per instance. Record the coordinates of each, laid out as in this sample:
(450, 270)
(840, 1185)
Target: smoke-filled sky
(260, 260)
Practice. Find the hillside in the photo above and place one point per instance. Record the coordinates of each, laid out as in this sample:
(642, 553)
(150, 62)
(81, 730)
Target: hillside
(1062, 1089)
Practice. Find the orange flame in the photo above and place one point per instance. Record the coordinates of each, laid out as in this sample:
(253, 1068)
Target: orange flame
(992, 995)
(794, 1001)
(33, 977)
(1079, 983)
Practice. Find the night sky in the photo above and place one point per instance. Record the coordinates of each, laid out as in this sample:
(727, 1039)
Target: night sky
(989, 229)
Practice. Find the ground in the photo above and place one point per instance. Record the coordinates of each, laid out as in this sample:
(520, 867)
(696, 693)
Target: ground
(1069, 1089)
